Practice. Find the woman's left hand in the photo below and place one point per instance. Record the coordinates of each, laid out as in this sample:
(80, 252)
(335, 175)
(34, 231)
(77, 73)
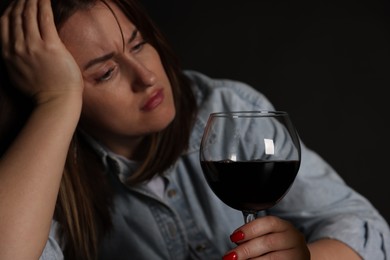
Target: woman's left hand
(268, 237)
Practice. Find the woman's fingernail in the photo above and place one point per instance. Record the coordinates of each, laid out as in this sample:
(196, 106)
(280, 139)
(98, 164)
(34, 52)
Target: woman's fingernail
(231, 256)
(237, 236)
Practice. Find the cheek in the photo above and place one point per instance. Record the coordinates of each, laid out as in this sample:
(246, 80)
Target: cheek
(99, 120)
(94, 110)
(89, 104)
(90, 116)
(105, 110)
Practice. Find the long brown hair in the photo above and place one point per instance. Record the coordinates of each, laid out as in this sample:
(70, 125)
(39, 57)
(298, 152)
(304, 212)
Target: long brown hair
(82, 209)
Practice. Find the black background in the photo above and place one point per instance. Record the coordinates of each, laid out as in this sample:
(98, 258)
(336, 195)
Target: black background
(325, 62)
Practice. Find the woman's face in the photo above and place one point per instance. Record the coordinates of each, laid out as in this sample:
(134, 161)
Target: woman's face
(127, 93)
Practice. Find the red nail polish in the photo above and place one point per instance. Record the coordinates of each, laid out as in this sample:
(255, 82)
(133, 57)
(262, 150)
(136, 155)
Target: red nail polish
(231, 256)
(237, 236)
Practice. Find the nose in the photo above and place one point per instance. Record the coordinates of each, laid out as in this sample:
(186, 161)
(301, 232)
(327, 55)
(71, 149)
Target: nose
(140, 75)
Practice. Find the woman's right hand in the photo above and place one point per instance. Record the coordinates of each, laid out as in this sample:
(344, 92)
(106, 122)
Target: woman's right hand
(268, 237)
(37, 61)
(32, 167)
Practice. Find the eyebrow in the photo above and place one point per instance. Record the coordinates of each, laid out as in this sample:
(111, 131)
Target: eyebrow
(109, 55)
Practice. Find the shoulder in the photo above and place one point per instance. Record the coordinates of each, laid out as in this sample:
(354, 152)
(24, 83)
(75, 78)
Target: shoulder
(219, 94)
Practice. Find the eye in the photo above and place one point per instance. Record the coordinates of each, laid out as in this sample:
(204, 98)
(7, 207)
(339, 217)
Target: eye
(106, 76)
(138, 47)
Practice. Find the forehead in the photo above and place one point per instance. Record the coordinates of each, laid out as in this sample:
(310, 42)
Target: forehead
(95, 30)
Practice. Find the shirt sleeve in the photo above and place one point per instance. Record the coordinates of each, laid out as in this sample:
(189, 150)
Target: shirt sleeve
(52, 250)
(322, 205)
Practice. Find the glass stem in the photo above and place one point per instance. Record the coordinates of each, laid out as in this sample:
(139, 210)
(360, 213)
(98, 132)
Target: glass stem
(249, 216)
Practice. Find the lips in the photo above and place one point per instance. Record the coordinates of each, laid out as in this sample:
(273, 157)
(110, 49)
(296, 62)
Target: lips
(154, 101)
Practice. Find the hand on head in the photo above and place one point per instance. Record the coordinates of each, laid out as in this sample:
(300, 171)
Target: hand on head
(37, 61)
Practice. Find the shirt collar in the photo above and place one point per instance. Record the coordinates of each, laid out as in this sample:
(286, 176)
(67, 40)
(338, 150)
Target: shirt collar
(112, 162)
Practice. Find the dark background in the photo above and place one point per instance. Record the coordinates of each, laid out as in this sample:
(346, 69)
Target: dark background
(326, 62)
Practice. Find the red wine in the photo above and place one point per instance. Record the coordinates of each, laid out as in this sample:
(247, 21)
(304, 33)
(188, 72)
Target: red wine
(250, 185)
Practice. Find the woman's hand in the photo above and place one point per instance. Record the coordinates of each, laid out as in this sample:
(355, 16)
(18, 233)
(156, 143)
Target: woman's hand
(32, 166)
(37, 61)
(268, 238)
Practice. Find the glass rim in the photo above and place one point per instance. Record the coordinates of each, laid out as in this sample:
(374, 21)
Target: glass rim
(249, 113)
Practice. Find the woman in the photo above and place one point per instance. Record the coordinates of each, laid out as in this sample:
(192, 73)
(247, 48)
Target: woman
(100, 131)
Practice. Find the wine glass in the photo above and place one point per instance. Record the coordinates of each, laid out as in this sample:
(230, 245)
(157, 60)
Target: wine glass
(250, 158)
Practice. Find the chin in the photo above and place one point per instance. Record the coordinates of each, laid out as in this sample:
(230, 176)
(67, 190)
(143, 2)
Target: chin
(169, 116)
(163, 121)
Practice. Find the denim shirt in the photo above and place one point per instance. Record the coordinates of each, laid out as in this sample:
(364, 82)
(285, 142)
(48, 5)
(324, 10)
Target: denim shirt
(185, 220)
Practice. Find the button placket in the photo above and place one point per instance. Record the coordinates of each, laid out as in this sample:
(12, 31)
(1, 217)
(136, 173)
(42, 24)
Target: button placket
(196, 239)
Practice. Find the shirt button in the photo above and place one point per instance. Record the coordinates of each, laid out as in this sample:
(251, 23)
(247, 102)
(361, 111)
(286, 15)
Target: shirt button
(200, 248)
(171, 193)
